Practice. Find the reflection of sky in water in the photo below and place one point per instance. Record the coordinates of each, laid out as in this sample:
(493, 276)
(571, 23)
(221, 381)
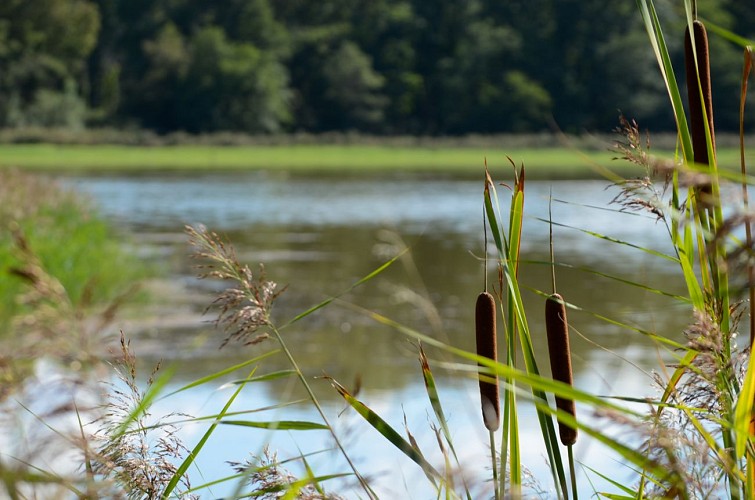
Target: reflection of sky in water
(238, 201)
(228, 202)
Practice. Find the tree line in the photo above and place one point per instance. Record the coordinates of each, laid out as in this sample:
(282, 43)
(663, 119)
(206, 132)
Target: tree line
(441, 67)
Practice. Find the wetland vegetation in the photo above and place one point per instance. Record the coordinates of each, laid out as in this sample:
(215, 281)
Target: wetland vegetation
(673, 241)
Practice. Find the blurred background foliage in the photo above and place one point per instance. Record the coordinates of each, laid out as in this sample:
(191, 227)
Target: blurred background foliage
(386, 67)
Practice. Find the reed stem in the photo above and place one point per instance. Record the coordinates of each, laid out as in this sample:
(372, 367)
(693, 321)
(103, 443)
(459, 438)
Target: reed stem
(494, 464)
(572, 472)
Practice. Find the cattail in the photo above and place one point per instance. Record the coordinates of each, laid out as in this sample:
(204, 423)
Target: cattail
(560, 354)
(697, 125)
(487, 347)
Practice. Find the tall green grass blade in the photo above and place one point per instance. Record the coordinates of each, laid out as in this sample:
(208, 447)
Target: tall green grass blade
(660, 49)
(728, 35)
(516, 215)
(198, 447)
(356, 284)
(434, 397)
(266, 378)
(514, 446)
(610, 239)
(279, 425)
(612, 277)
(386, 431)
(613, 482)
(145, 401)
(221, 373)
(743, 413)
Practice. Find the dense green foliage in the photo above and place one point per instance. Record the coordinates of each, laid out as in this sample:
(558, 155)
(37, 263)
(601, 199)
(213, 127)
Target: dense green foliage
(377, 66)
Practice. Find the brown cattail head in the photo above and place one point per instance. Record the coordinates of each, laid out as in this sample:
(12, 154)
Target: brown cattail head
(487, 347)
(697, 123)
(560, 354)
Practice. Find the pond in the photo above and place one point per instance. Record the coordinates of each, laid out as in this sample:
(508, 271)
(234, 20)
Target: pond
(318, 235)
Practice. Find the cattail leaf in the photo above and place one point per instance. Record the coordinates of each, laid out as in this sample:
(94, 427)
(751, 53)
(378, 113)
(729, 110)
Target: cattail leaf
(386, 430)
(660, 49)
(489, 196)
(434, 397)
(743, 413)
(516, 217)
(278, 425)
(728, 35)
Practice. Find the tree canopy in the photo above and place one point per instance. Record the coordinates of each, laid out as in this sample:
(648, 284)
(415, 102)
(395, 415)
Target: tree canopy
(376, 66)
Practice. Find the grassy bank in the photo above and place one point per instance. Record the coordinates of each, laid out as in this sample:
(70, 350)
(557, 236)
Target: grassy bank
(551, 163)
(324, 158)
(50, 239)
(320, 158)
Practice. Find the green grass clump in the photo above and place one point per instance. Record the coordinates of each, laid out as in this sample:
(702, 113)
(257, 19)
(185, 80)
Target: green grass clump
(66, 238)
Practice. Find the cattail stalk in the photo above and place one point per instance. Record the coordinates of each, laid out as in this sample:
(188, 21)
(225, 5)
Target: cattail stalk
(557, 330)
(487, 347)
(695, 91)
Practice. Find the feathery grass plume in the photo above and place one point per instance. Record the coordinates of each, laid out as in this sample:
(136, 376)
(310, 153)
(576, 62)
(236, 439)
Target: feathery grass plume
(485, 329)
(245, 308)
(557, 330)
(269, 480)
(140, 459)
(695, 91)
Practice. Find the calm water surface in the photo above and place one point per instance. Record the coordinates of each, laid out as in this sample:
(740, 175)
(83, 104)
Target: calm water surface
(320, 234)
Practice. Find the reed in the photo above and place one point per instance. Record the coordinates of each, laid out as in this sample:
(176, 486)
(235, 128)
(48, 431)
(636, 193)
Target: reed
(557, 330)
(487, 347)
(700, 97)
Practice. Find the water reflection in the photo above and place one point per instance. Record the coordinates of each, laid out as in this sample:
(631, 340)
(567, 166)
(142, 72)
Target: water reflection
(320, 235)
